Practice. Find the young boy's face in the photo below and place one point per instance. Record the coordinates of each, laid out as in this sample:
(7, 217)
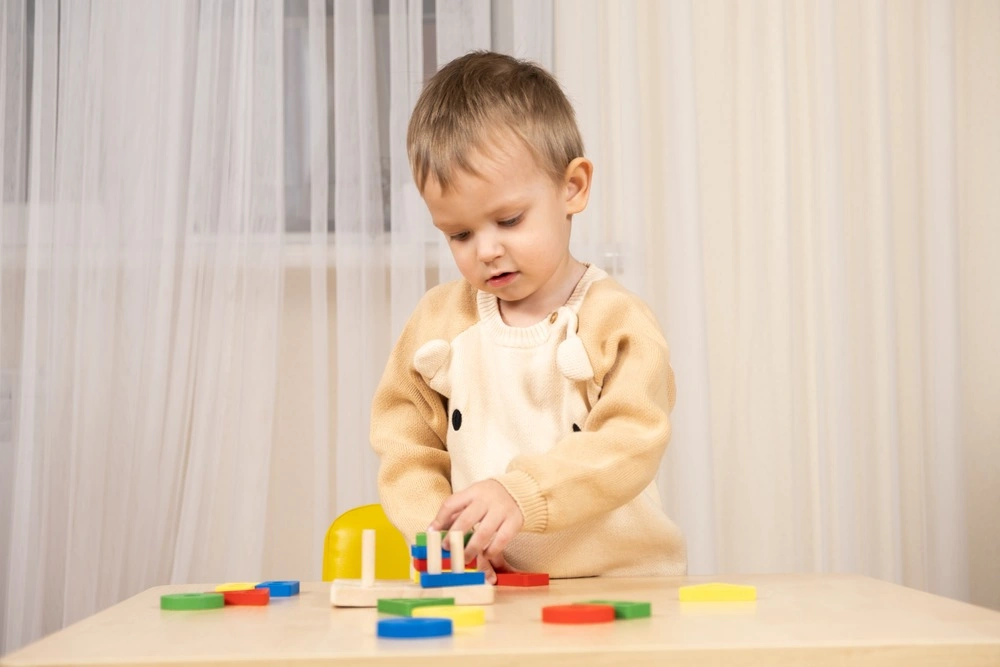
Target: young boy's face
(508, 227)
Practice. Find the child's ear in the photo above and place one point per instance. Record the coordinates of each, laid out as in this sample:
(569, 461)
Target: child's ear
(578, 176)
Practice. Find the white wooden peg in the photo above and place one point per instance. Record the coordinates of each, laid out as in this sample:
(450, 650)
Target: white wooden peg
(456, 542)
(368, 558)
(433, 552)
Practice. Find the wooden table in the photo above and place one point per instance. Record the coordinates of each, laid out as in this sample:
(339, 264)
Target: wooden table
(797, 619)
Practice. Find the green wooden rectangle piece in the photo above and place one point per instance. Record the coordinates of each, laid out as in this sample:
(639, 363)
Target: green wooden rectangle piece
(624, 609)
(405, 606)
(422, 539)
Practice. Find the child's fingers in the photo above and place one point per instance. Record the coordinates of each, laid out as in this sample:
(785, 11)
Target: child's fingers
(481, 537)
(491, 577)
(474, 515)
(449, 511)
(505, 532)
(498, 563)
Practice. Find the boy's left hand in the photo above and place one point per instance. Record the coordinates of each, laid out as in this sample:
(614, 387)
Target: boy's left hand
(492, 510)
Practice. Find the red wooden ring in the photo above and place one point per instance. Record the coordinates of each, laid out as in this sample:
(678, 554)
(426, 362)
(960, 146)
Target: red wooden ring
(582, 613)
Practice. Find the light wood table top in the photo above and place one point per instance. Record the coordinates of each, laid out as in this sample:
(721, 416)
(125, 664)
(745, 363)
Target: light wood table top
(797, 619)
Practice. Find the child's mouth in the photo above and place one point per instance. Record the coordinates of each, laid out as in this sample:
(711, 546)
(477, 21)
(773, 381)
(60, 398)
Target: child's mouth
(502, 279)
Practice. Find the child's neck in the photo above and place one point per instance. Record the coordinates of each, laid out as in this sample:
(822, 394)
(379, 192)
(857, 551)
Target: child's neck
(521, 314)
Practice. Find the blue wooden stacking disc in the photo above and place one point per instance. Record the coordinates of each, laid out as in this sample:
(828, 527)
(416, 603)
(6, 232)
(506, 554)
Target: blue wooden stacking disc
(406, 628)
(475, 578)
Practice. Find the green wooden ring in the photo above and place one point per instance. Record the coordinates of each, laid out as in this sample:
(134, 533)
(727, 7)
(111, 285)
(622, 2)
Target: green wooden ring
(192, 601)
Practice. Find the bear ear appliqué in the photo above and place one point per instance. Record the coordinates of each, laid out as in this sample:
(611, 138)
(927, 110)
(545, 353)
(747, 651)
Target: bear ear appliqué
(571, 358)
(431, 361)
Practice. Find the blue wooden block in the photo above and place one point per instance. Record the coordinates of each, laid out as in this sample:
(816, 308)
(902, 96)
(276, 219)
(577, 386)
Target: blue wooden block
(280, 589)
(421, 552)
(452, 579)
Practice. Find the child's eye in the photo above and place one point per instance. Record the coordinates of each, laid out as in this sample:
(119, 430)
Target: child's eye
(461, 236)
(510, 223)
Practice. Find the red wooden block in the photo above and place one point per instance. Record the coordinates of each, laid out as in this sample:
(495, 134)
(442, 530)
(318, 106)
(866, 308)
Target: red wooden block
(578, 613)
(420, 564)
(522, 579)
(256, 597)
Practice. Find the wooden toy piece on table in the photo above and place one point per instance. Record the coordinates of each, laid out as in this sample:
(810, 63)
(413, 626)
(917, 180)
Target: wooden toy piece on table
(578, 614)
(624, 609)
(192, 601)
(460, 616)
(254, 597)
(280, 589)
(717, 592)
(366, 592)
(430, 580)
(406, 606)
(414, 628)
(420, 564)
(236, 586)
(522, 579)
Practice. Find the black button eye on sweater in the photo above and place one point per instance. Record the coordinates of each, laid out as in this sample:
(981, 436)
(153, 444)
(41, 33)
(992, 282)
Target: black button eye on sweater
(456, 420)
(576, 429)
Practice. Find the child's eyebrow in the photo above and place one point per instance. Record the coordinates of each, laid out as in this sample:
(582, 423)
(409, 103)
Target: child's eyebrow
(506, 206)
(446, 226)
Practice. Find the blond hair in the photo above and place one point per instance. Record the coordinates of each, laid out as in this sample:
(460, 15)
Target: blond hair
(473, 100)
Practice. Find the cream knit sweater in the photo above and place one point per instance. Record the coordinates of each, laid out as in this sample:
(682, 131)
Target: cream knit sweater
(571, 415)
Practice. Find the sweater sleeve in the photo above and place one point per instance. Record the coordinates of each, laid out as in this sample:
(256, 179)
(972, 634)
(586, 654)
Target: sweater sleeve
(409, 428)
(617, 453)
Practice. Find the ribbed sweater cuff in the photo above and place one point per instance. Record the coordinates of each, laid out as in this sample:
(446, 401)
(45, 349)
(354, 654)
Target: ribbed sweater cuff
(524, 489)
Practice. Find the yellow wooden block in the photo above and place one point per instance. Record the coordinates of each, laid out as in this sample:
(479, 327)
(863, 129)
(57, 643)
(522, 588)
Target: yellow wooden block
(460, 616)
(717, 592)
(236, 586)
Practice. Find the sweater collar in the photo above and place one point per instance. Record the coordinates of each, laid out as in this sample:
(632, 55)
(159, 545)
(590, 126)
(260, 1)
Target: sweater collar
(536, 334)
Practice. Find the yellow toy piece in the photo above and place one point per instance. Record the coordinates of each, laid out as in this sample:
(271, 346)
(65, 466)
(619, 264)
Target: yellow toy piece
(717, 592)
(460, 616)
(342, 546)
(236, 586)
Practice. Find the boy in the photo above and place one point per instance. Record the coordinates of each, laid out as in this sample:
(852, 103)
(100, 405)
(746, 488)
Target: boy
(529, 401)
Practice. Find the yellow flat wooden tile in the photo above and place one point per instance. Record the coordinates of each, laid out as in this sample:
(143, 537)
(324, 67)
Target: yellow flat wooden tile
(717, 592)
(460, 616)
(235, 586)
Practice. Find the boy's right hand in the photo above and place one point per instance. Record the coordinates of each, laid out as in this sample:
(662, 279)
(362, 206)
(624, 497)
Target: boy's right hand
(494, 513)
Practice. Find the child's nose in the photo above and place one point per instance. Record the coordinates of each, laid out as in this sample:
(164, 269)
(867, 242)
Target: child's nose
(489, 249)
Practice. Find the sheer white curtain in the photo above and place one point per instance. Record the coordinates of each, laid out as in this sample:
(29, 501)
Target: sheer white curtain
(141, 253)
(806, 193)
(208, 241)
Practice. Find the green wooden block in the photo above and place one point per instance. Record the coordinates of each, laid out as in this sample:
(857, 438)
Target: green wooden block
(405, 606)
(623, 609)
(422, 539)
